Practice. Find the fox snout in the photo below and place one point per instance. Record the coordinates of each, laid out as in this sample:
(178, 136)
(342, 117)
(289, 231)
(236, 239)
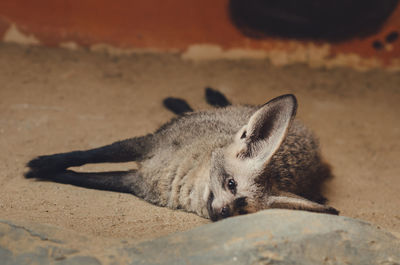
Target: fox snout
(238, 207)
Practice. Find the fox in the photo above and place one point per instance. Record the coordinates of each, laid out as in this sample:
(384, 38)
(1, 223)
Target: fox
(217, 163)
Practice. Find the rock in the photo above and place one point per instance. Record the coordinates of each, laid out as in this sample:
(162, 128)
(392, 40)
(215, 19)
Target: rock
(268, 237)
(275, 237)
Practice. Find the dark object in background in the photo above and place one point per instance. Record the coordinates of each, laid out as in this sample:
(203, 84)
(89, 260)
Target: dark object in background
(332, 20)
(216, 98)
(177, 105)
(378, 45)
(180, 106)
(392, 37)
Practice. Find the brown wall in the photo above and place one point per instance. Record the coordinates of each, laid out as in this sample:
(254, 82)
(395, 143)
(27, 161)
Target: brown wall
(162, 25)
(159, 24)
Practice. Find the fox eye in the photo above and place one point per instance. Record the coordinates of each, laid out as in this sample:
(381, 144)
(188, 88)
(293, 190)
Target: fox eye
(232, 185)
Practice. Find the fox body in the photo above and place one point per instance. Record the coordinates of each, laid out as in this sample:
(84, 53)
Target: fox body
(215, 163)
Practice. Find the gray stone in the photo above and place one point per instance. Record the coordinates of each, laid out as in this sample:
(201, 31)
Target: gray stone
(6, 256)
(268, 237)
(275, 237)
(80, 260)
(38, 244)
(38, 257)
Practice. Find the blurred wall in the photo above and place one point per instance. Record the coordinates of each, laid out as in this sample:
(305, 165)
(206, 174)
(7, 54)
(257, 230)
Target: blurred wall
(197, 28)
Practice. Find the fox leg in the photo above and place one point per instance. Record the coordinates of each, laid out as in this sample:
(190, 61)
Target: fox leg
(134, 149)
(119, 181)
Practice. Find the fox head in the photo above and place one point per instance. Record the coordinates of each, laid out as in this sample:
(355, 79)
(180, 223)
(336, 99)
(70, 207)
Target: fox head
(237, 181)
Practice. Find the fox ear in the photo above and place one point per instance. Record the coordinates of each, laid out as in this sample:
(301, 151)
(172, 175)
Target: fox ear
(266, 130)
(287, 200)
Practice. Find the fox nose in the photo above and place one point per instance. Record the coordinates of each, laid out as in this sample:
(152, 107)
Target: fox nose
(225, 212)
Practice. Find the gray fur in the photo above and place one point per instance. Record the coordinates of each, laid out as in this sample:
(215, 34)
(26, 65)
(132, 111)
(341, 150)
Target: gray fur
(274, 161)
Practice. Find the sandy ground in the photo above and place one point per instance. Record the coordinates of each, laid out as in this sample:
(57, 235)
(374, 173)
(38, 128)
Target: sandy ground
(54, 100)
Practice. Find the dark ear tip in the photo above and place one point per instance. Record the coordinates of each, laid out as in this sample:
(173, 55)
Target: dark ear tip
(286, 98)
(333, 211)
(290, 97)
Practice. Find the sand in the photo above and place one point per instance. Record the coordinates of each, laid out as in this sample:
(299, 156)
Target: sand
(54, 100)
